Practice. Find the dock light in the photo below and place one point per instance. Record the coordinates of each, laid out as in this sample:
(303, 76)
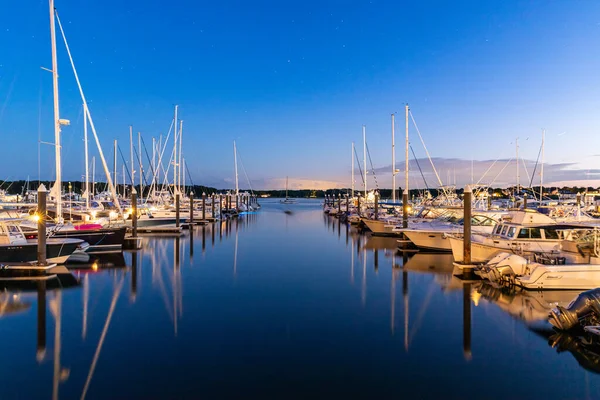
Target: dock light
(35, 217)
(409, 208)
(94, 214)
(112, 215)
(95, 266)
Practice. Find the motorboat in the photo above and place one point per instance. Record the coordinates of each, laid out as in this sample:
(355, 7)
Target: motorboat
(16, 248)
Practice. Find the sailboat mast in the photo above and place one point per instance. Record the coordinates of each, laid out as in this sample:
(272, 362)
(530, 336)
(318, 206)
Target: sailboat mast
(180, 158)
(393, 162)
(286, 187)
(237, 188)
(93, 176)
(87, 165)
(153, 167)
(59, 216)
(115, 165)
(406, 156)
(518, 177)
(140, 160)
(352, 183)
(542, 168)
(175, 153)
(131, 165)
(365, 159)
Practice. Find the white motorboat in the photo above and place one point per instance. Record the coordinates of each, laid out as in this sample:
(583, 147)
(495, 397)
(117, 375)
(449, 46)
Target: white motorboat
(526, 232)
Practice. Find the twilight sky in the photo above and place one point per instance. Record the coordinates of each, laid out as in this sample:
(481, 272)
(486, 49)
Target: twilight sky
(294, 81)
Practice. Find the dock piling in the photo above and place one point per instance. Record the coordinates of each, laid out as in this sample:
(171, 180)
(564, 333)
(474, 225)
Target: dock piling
(41, 225)
(203, 206)
(177, 209)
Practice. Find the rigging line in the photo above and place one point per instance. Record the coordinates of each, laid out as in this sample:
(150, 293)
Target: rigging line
(501, 171)
(141, 172)
(535, 167)
(425, 147)
(525, 167)
(190, 175)
(372, 168)
(244, 169)
(125, 163)
(486, 171)
(359, 168)
(419, 166)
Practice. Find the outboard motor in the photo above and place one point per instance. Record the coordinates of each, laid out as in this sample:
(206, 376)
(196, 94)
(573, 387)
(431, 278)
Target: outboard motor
(582, 312)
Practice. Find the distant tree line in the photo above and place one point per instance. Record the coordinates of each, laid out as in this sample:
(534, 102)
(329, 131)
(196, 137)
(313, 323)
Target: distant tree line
(77, 187)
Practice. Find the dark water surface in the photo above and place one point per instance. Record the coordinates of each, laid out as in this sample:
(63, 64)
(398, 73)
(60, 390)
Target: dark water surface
(283, 306)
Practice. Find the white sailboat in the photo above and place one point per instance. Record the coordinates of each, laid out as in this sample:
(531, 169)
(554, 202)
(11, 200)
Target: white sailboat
(287, 200)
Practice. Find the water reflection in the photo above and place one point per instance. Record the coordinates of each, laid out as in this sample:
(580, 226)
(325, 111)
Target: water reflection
(272, 304)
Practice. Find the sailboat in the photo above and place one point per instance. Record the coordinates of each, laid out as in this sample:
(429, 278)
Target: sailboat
(99, 238)
(287, 200)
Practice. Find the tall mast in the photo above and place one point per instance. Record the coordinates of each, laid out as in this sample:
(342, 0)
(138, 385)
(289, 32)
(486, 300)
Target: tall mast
(87, 165)
(518, 177)
(93, 176)
(180, 158)
(406, 156)
(542, 168)
(59, 216)
(115, 165)
(131, 165)
(175, 153)
(183, 173)
(365, 159)
(352, 183)
(237, 188)
(393, 162)
(153, 167)
(140, 160)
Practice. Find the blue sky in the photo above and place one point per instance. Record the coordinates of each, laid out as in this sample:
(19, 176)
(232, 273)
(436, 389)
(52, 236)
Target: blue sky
(293, 82)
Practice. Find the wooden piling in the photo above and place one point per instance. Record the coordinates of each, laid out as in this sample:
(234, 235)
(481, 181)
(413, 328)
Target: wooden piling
(376, 207)
(405, 209)
(134, 224)
(41, 225)
(191, 207)
(203, 206)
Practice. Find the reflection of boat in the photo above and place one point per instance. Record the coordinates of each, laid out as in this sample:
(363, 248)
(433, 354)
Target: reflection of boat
(381, 243)
(430, 263)
(11, 303)
(585, 348)
(101, 261)
(528, 306)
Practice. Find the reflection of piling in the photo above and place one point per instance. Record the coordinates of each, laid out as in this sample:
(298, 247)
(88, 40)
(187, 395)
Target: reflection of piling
(191, 245)
(41, 225)
(41, 319)
(212, 233)
(203, 238)
(177, 210)
(133, 274)
(177, 252)
(467, 321)
(376, 259)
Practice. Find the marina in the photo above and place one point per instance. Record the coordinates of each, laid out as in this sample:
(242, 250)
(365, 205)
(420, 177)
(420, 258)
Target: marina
(158, 251)
(353, 318)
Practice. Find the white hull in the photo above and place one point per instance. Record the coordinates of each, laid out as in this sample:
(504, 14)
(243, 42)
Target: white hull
(380, 227)
(482, 252)
(429, 239)
(570, 276)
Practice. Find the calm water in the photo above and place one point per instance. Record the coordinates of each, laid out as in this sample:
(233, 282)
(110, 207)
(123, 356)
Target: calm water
(283, 306)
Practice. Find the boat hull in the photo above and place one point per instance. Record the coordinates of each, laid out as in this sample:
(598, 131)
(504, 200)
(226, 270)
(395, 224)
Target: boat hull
(381, 228)
(430, 240)
(57, 251)
(103, 239)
